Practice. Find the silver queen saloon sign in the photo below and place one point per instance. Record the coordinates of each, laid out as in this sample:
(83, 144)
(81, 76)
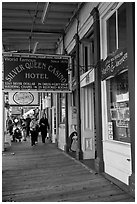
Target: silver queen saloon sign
(23, 98)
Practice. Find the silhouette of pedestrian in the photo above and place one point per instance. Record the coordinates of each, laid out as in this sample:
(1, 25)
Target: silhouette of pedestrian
(33, 130)
(28, 120)
(24, 129)
(10, 125)
(44, 126)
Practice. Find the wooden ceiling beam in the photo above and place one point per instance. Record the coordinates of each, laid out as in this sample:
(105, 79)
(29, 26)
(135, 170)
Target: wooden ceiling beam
(22, 21)
(54, 32)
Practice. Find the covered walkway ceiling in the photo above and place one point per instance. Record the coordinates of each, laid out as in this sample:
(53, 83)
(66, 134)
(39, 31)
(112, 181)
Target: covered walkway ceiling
(36, 27)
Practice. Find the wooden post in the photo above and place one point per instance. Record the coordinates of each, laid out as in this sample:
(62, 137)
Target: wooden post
(99, 164)
(66, 106)
(3, 114)
(57, 117)
(51, 98)
(79, 153)
(66, 122)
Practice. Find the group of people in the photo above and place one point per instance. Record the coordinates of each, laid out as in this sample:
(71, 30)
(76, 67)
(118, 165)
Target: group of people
(31, 126)
(35, 128)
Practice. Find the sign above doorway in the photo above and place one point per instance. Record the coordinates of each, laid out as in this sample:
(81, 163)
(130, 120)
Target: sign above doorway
(24, 98)
(114, 64)
(48, 73)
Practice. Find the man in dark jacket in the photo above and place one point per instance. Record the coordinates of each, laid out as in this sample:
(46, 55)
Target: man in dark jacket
(44, 126)
(28, 120)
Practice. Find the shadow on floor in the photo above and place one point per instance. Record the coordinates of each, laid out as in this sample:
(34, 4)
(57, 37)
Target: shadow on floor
(87, 162)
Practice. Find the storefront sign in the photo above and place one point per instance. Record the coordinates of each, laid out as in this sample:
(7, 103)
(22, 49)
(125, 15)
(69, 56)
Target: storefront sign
(24, 98)
(114, 64)
(47, 73)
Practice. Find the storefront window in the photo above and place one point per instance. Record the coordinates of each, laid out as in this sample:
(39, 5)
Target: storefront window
(116, 30)
(88, 56)
(116, 75)
(111, 34)
(118, 108)
(122, 26)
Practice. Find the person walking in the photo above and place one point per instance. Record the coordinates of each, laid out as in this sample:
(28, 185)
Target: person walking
(10, 125)
(44, 126)
(33, 131)
(28, 120)
(37, 131)
(24, 129)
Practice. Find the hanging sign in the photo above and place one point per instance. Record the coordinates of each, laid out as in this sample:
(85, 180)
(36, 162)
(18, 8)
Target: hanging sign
(24, 98)
(114, 64)
(41, 73)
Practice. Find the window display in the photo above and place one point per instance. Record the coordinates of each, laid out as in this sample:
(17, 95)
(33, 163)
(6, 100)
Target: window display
(118, 108)
(115, 72)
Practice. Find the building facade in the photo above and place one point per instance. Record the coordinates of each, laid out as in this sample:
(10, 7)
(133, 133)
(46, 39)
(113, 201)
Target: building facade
(100, 40)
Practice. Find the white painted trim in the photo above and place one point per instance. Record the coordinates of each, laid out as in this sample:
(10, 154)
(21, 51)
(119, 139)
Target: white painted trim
(104, 110)
(116, 154)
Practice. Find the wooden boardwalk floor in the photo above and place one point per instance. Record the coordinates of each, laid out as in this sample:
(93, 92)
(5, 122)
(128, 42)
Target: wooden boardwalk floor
(44, 173)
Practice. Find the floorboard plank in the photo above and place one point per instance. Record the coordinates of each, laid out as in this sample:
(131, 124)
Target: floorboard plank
(46, 174)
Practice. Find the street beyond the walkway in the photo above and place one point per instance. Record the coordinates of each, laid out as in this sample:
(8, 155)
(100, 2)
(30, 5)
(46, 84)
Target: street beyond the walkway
(43, 173)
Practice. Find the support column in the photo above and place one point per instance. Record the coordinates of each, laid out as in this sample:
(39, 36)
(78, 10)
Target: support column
(57, 117)
(50, 110)
(99, 163)
(4, 119)
(79, 153)
(66, 107)
(66, 122)
(131, 80)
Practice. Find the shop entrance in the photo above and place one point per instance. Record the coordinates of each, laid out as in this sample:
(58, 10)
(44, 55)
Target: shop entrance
(88, 122)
